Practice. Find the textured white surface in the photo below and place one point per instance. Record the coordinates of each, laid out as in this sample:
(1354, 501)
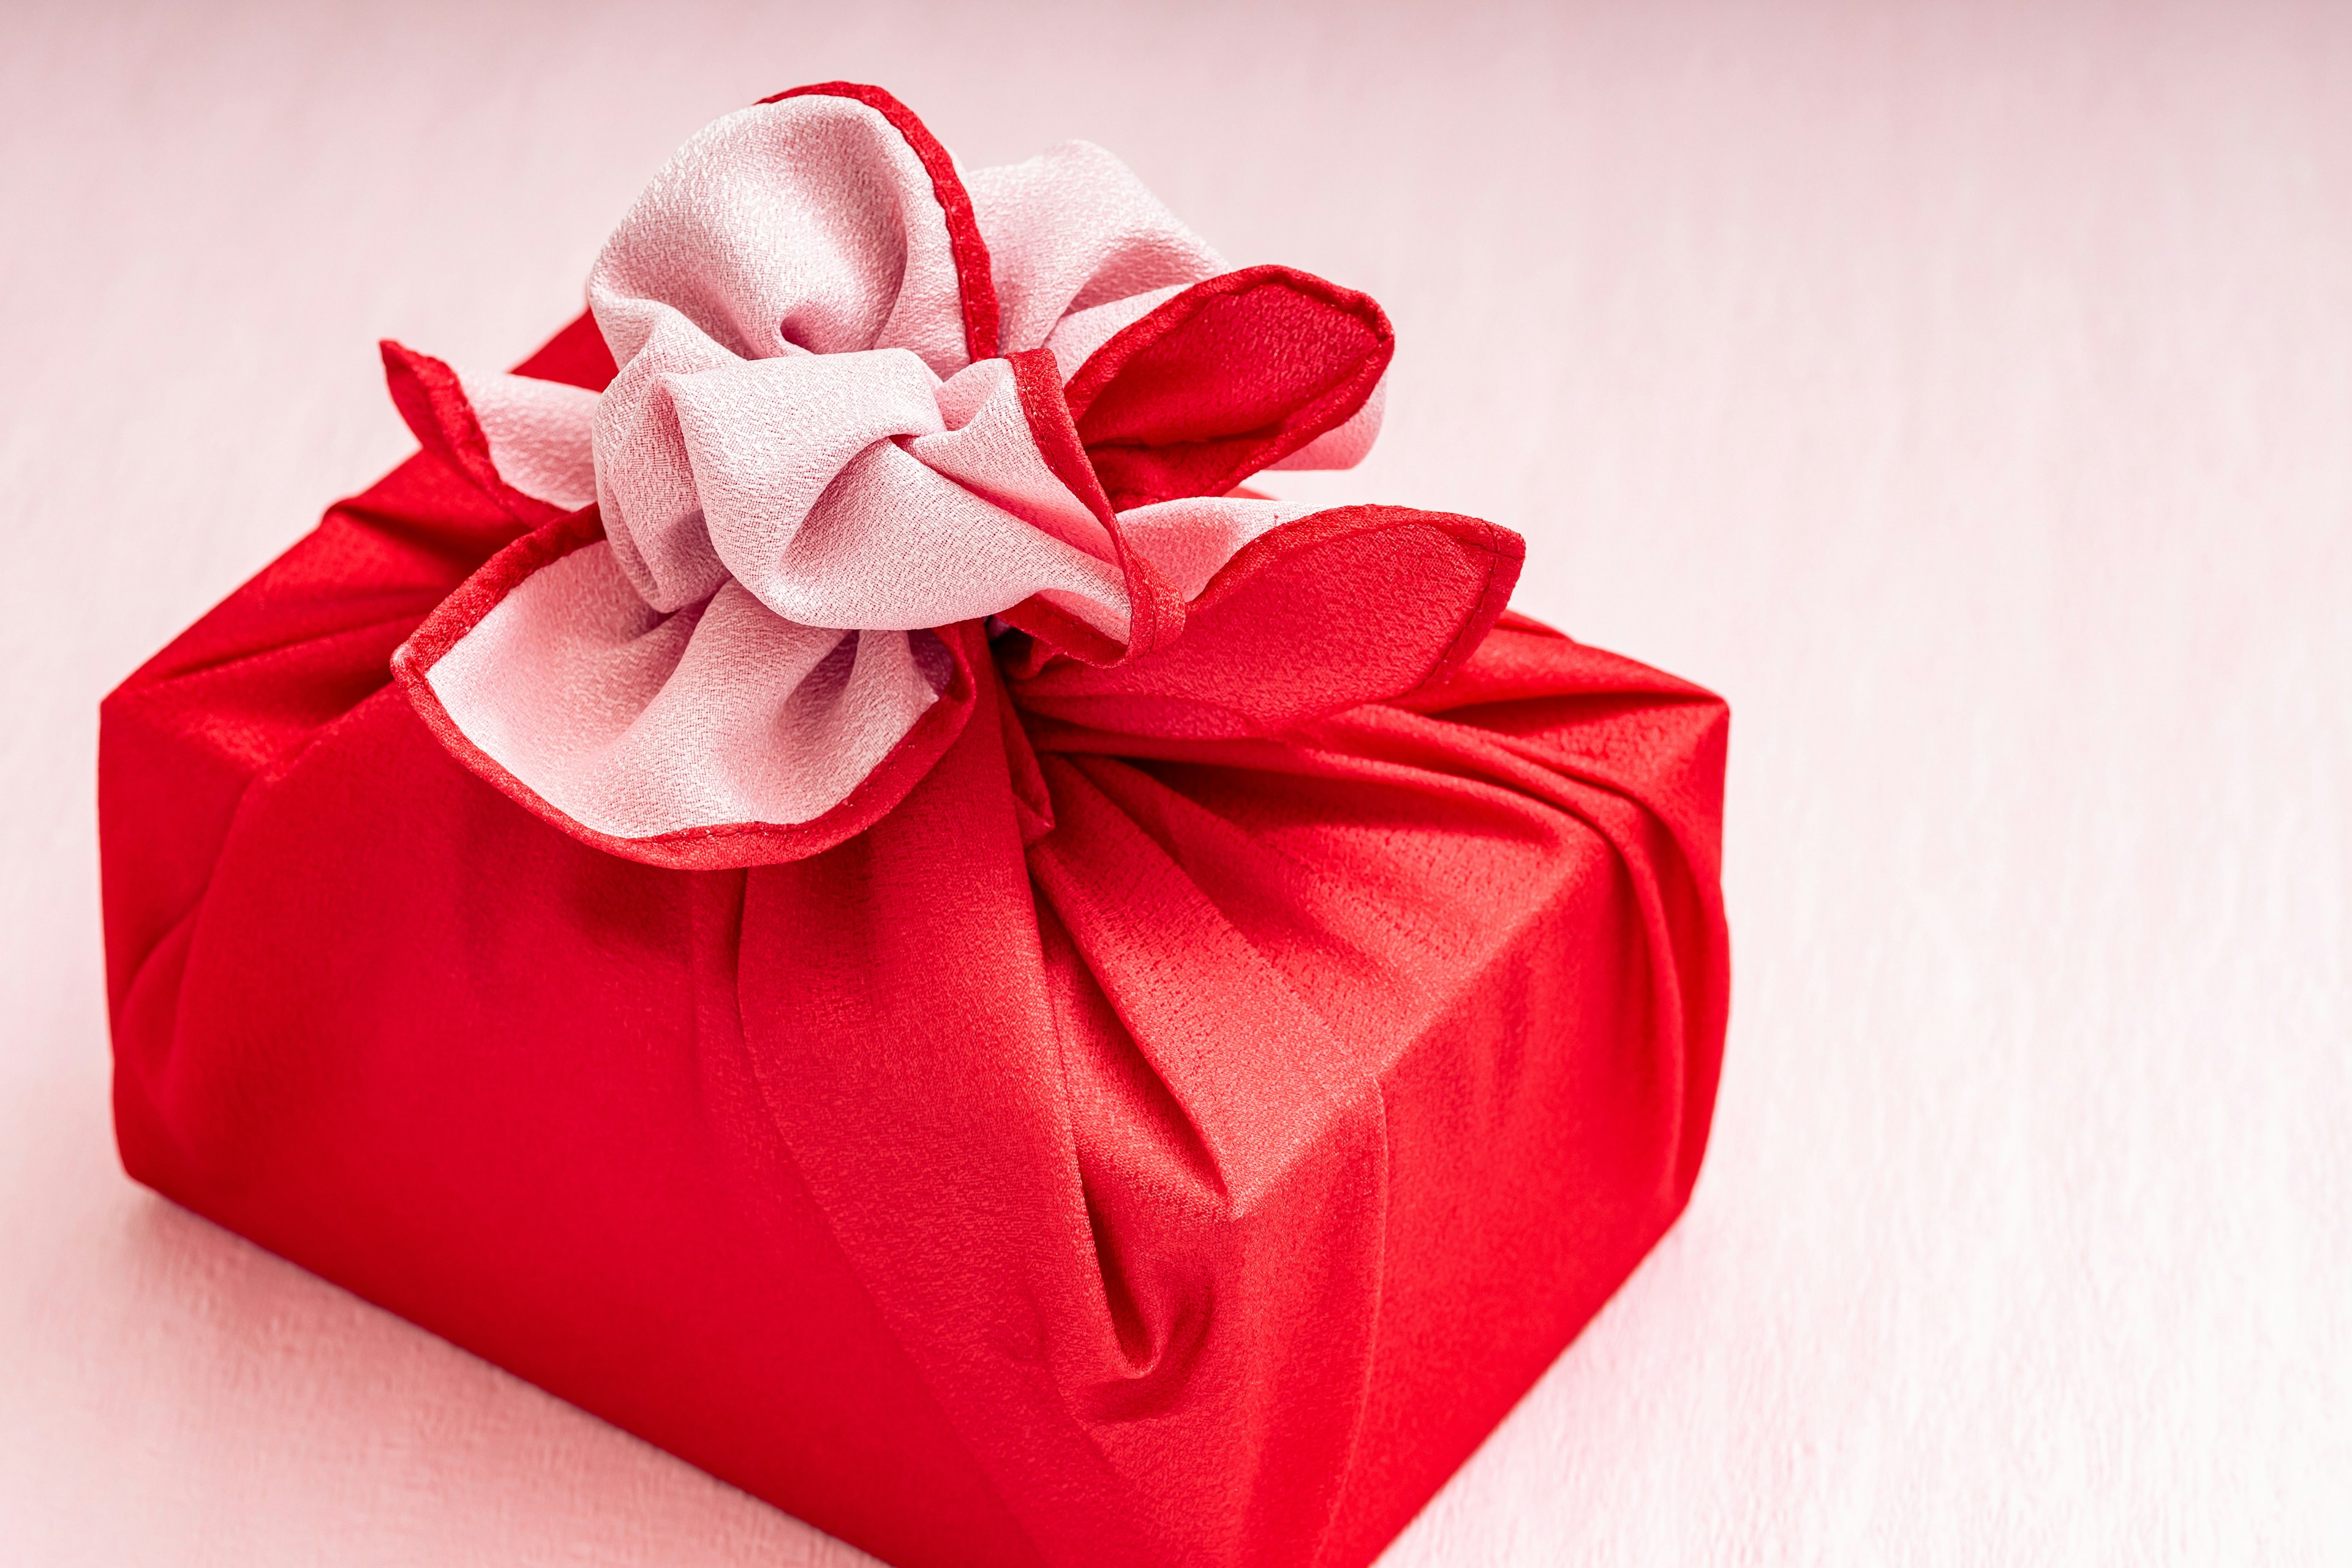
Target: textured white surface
(1966, 392)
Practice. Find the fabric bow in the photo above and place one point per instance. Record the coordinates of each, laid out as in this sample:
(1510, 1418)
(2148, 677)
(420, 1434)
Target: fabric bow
(864, 409)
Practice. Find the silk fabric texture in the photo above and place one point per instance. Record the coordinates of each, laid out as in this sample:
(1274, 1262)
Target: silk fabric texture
(858, 397)
(1212, 1079)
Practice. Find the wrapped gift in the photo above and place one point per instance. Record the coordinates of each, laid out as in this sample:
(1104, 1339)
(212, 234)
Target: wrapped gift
(814, 876)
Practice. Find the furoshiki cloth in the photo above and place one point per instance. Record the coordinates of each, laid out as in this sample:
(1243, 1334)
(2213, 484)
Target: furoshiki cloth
(1166, 1105)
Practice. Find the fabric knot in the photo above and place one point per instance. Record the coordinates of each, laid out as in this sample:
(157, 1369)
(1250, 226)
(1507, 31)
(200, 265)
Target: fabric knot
(862, 405)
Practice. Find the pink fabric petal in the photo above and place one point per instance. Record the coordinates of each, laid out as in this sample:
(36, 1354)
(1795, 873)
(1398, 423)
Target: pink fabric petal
(1189, 539)
(808, 223)
(541, 435)
(1073, 228)
(798, 469)
(635, 723)
(646, 483)
(990, 447)
(898, 544)
(1075, 337)
(834, 487)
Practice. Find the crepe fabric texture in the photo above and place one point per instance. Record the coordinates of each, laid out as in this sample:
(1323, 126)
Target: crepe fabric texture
(1239, 1009)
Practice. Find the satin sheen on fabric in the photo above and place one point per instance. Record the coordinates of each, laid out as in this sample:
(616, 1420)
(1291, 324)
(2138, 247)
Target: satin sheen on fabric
(1160, 1104)
(1160, 1140)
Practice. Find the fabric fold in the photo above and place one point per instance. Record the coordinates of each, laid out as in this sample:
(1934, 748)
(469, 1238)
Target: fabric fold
(885, 932)
(1340, 608)
(857, 399)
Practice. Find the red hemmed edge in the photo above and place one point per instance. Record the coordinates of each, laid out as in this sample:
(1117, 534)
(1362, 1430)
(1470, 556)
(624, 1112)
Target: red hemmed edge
(433, 403)
(1155, 612)
(1187, 676)
(971, 251)
(1502, 546)
(723, 846)
(1323, 411)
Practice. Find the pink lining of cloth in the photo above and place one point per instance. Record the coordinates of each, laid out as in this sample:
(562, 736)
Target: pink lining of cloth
(799, 470)
(641, 722)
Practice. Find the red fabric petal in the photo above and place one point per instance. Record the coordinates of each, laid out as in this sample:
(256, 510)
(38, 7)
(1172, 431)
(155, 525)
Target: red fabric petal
(1357, 604)
(1232, 374)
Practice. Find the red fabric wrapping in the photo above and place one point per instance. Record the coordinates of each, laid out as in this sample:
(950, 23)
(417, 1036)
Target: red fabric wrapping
(697, 848)
(1229, 377)
(1175, 1133)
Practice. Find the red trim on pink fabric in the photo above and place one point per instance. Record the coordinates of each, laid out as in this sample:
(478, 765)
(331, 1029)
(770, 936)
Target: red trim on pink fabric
(973, 270)
(1038, 380)
(433, 402)
(723, 846)
(1228, 377)
(1155, 610)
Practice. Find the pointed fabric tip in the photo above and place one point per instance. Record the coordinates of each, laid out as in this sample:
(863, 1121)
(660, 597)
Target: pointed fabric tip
(1230, 376)
(1341, 608)
(441, 412)
(820, 466)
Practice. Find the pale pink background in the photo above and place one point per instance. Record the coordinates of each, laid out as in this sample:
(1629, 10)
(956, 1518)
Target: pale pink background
(1965, 391)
